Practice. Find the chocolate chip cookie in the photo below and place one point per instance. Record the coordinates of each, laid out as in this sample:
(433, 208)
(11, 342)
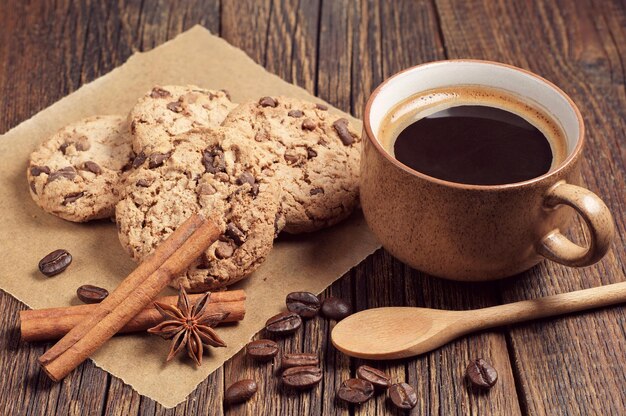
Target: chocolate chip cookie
(76, 173)
(317, 155)
(170, 110)
(217, 173)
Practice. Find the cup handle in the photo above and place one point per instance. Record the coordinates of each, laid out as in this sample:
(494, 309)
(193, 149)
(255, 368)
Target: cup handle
(556, 247)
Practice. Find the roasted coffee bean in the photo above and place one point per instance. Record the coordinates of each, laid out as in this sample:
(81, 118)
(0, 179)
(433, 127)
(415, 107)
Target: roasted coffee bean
(403, 396)
(235, 234)
(305, 304)
(246, 177)
(295, 113)
(158, 92)
(262, 349)
(335, 308)
(379, 379)
(240, 391)
(92, 167)
(283, 323)
(67, 172)
(72, 197)
(311, 153)
(321, 107)
(38, 170)
(341, 127)
(302, 359)
(139, 159)
(302, 377)
(157, 159)
(268, 102)
(91, 294)
(224, 250)
(55, 262)
(308, 124)
(175, 106)
(316, 191)
(355, 391)
(481, 374)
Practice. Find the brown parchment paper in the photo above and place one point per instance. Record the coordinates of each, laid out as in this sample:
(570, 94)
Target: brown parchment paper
(310, 262)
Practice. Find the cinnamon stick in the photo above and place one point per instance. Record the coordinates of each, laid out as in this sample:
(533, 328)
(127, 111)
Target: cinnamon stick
(53, 323)
(131, 297)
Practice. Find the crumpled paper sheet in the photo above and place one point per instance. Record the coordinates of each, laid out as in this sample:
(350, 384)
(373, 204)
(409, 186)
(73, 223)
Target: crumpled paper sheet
(309, 262)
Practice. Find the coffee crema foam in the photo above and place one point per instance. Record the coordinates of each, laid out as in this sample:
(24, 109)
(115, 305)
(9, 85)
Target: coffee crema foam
(432, 101)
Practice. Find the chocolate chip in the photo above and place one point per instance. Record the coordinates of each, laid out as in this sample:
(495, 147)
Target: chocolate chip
(291, 158)
(157, 159)
(226, 93)
(295, 113)
(139, 159)
(70, 198)
(82, 144)
(64, 147)
(268, 102)
(158, 92)
(246, 177)
(235, 234)
(175, 106)
(144, 183)
(311, 153)
(255, 190)
(321, 107)
(308, 124)
(481, 374)
(213, 160)
(92, 167)
(341, 127)
(38, 170)
(223, 250)
(316, 191)
(67, 172)
(128, 166)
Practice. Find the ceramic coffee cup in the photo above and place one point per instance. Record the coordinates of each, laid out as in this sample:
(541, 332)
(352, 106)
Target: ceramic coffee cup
(478, 232)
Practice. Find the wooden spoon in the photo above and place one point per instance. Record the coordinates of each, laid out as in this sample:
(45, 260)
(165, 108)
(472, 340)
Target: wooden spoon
(399, 332)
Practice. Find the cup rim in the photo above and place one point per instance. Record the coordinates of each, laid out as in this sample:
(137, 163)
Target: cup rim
(568, 160)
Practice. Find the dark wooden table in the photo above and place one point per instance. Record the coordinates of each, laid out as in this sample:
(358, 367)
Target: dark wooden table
(340, 50)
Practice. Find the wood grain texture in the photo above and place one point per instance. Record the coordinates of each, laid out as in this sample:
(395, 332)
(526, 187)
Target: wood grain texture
(340, 50)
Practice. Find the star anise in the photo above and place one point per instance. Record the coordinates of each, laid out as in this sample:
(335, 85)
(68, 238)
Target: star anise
(189, 326)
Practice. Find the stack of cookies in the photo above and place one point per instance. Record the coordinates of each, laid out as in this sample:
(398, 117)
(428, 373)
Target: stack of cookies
(257, 168)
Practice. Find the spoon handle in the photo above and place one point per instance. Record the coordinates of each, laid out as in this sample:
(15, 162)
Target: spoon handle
(526, 310)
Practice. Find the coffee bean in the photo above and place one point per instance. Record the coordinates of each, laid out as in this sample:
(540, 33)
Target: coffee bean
(223, 250)
(158, 92)
(299, 360)
(91, 294)
(308, 124)
(481, 374)
(302, 377)
(72, 197)
(295, 113)
(283, 323)
(262, 349)
(305, 304)
(355, 391)
(341, 127)
(403, 396)
(379, 379)
(235, 234)
(240, 391)
(157, 159)
(335, 308)
(139, 159)
(55, 262)
(38, 170)
(92, 167)
(268, 102)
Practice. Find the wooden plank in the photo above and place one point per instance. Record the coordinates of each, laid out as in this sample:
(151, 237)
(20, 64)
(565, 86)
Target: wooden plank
(580, 46)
